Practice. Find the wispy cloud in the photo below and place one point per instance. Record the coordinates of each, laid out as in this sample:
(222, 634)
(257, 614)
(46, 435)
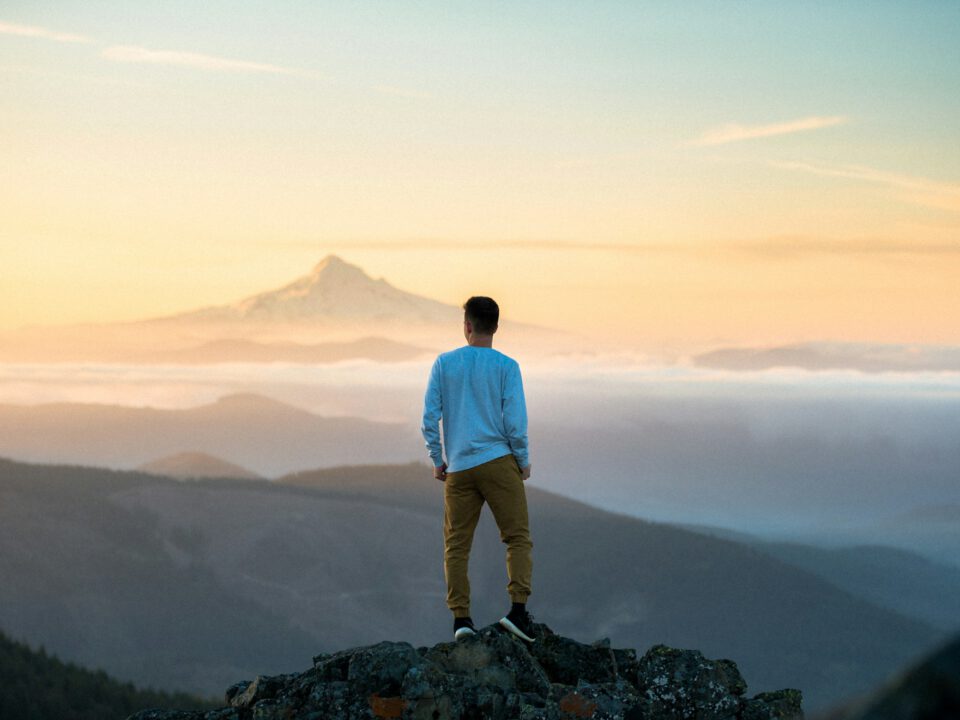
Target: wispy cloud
(781, 247)
(136, 54)
(787, 247)
(735, 133)
(40, 32)
(917, 190)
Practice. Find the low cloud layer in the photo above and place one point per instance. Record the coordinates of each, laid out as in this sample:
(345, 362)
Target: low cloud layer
(865, 357)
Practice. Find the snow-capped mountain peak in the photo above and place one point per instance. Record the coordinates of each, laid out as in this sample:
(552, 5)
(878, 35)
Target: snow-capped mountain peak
(335, 290)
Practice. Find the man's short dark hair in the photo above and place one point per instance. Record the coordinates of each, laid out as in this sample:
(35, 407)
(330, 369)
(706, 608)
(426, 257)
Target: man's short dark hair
(483, 313)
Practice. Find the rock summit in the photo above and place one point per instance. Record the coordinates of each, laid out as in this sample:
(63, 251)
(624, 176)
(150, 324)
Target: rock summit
(494, 675)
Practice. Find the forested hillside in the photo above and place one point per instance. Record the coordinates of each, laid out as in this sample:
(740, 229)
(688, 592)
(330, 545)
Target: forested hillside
(38, 686)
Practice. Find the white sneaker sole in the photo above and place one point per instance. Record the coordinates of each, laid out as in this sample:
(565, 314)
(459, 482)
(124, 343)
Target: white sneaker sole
(462, 633)
(505, 622)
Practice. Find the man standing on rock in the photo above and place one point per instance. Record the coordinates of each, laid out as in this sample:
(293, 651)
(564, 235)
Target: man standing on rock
(478, 393)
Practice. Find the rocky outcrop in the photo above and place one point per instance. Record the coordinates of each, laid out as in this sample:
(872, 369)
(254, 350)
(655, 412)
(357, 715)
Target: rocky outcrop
(494, 675)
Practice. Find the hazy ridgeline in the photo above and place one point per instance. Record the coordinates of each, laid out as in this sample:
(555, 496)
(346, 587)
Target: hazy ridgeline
(832, 457)
(833, 469)
(192, 585)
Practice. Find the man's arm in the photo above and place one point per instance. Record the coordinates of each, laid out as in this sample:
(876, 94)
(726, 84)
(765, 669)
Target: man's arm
(515, 418)
(430, 425)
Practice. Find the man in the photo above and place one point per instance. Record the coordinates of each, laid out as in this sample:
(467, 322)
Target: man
(478, 393)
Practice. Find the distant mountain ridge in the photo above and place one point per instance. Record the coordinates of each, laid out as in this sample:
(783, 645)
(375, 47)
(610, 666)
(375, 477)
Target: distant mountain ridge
(865, 357)
(333, 290)
(352, 315)
(189, 465)
(259, 433)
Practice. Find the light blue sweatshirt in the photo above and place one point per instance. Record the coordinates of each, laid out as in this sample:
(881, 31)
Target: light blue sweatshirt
(478, 392)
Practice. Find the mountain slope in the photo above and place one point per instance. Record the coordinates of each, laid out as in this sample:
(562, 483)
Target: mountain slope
(214, 580)
(930, 529)
(892, 577)
(39, 686)
(266, 436)
(188, 465)
(929, 689)
(897, 579)
(333, 290)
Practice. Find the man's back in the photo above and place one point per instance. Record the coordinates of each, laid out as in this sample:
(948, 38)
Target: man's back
(478, 392)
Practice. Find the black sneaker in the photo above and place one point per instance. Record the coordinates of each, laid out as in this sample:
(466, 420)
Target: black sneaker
(463, 627)
(519, 623)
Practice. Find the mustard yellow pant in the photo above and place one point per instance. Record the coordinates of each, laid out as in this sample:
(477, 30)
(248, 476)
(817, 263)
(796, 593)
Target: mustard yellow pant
(499, 484)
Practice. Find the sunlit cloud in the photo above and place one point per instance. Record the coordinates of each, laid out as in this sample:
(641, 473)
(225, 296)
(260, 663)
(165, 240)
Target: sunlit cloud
(917, 190)
(786, 247)
(735, 133)
(34, 31)
(136, 54)
(782, 247)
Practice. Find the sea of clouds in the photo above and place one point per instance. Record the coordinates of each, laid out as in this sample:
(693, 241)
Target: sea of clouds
(774, 451)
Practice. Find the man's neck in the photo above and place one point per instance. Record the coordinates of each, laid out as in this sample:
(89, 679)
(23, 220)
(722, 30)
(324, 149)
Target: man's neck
(480, 341)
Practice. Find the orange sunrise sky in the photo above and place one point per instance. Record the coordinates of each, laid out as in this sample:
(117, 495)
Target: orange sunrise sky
(664, 174)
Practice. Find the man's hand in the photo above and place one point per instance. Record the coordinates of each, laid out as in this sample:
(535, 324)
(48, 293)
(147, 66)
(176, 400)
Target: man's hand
(525, 472)
(440, 472)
